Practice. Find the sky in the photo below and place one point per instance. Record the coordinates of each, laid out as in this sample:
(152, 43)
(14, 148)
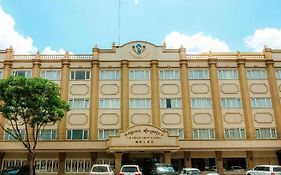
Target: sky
(56, 26)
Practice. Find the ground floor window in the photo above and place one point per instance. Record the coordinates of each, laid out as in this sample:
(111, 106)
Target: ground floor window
(47, 166)
(13, 162)
(204, 164)
(77, 165)
(111, 162)
(234, 164)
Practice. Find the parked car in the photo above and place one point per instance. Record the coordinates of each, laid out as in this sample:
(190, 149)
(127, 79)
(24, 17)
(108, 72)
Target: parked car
(190, 171)
(265, 170)
(212, 173)
(130, 170)
(16, 170)
(162, 169)
(101, 169)
(236, 168)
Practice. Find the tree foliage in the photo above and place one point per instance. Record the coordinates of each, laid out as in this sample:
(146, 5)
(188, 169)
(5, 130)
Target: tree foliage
(29, 104)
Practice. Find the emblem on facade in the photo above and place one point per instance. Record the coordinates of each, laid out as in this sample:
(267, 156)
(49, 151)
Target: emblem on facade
(139, 48)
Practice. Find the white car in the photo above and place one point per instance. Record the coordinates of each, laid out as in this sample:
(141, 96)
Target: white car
(101, 169)
(265, 170)
(190, 171)
(130, 170)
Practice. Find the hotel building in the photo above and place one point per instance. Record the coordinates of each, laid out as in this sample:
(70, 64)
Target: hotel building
(138, 103)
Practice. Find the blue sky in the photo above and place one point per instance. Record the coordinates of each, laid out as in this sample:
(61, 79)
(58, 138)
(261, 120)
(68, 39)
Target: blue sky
(53, 26)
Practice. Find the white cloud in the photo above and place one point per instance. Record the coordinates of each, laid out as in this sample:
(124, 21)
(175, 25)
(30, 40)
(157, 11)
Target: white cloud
(21, 43)
(48, 50)
(270, 37)
(198, 42)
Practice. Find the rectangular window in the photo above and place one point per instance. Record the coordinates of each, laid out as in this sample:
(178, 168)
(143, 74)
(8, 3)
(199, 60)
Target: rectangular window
(261, 102)
(231, 103)
(234, 133)
(109, 103)
(266, 133)
(105, 133)
(13, 162)
(140, 103)
(169, 75)
(47, 134)
(201, 103)
(227, 74)
(109, 75)
(79, 103)
(77, 166)
(203, 134)
(25, 73)
(170, 103)
(256, 74)
(176, 132)
(77, 134)
(1, 75)
(79, 75)
(198, 74)
(278, 74)
(47, 166)
(139, 75)
(8, 136)
(51, 74)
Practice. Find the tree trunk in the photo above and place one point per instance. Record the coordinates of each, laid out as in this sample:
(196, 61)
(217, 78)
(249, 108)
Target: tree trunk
(31, 157)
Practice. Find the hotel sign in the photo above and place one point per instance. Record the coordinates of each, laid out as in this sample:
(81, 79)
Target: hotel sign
(143, 137)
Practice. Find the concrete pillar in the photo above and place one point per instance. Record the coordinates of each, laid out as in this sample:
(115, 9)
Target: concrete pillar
(124, 94)
(36, 66)
(62, 156)
(250, 160)
(155, 100)
(275, 98)
(216, 98)
(118, 162)
(167, 157)
(64, 95)
(94, 156)
(246, 102)
(187, 159)
(219, 162)
(94, 98)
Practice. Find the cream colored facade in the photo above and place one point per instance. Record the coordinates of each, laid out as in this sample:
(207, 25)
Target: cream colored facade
(141, 92)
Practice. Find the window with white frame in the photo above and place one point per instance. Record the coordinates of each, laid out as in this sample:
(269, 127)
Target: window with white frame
(51, 74)
(47, 134)
(77, 134)
(234, 133)
(176, 132)
(80, 75)
(198, 74)
(169, 75)
(13, 162)
(140, 103)
(8, 136)
(203, 134)
(105, 133)
(231, 103)
(170, 103)
(266, 133)
(227, 74)
(261, 102)
(110, 162)
(25, 73)
(256, 74)
(109, 74)
(113, 103)
(278, 74)
(201, 103)
(47, 166)
(139, 74)
(79, 103)
(77, 165)
(1, 75)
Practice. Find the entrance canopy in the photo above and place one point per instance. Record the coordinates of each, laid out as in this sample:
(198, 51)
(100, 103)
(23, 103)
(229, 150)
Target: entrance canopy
(143, 138)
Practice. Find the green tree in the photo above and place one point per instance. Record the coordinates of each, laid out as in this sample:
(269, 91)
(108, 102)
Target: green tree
(30, 104)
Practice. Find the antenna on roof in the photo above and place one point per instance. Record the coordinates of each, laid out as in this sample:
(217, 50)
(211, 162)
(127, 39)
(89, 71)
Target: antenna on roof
(119, 21)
